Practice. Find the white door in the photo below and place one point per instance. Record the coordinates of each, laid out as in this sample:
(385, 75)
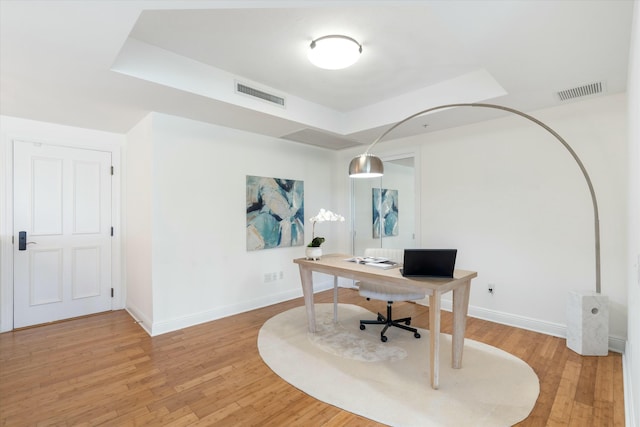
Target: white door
(62, 232)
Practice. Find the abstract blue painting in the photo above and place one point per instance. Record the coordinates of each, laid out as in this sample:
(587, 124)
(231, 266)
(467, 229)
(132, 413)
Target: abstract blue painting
(275, 213)
(385, 212)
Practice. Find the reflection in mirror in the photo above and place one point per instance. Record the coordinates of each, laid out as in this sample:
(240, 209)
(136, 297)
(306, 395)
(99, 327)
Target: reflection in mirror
(384, 209)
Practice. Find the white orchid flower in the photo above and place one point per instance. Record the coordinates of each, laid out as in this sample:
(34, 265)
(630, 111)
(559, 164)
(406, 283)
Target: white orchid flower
(325, 215)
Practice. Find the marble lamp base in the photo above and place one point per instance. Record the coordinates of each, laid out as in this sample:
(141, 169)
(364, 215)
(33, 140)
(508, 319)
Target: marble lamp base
(588, 323)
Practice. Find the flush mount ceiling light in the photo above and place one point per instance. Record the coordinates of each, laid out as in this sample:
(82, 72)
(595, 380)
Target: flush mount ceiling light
(334, 52)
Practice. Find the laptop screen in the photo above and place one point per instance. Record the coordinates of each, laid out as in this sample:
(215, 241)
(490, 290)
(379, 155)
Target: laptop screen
(429, 262)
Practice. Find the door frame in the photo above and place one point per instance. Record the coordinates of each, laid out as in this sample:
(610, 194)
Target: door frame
(389, 155)
(58, 135)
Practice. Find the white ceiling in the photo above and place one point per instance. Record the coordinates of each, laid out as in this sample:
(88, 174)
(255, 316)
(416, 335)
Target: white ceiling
(106, 64)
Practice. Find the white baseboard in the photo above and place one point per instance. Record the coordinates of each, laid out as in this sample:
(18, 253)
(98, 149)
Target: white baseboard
(141, 319)
(170, 325)
(616, 344)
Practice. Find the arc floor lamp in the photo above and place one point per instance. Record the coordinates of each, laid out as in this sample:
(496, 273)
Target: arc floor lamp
(592, 342)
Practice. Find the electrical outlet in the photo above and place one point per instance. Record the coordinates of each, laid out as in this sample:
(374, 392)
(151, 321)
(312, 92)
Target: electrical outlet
(491, 287)
(273, 276)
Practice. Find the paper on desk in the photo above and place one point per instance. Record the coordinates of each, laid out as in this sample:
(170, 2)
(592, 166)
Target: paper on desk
(379, 262)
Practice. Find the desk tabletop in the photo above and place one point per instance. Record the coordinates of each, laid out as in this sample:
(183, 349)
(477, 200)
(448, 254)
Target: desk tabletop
(337, 265)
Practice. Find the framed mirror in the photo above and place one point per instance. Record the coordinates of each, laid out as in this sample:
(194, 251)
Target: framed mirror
(386, 209)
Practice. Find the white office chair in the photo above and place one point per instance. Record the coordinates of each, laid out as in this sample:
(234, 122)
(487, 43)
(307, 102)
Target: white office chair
(389, 294)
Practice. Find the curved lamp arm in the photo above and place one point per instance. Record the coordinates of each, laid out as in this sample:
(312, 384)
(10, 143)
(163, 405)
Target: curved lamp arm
(369, 159)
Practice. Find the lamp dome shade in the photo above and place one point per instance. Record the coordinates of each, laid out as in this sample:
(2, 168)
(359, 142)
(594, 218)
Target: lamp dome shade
(366, 166)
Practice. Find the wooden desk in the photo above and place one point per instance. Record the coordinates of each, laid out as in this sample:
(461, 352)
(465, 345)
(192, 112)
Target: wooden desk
(335, 265)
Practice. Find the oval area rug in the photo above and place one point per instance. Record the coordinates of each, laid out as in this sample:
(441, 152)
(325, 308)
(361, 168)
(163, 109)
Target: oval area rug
(389, 382)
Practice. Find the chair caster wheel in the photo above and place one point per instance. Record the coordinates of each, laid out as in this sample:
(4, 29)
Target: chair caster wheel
(408, 322)
(417, 335)
(383, 338)
(362, 327)
(379, 318)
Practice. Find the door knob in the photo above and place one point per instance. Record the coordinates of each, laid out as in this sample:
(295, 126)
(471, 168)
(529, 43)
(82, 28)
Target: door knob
(22, 241)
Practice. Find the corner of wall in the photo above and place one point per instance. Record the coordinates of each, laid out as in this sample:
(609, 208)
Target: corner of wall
(629, 409)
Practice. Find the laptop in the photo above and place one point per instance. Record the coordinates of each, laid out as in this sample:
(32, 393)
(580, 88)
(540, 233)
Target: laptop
(429, 262)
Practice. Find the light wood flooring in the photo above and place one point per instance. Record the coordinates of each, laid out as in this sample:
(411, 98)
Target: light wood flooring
(105, 370)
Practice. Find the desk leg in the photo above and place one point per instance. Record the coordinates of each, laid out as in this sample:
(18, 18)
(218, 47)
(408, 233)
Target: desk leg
(460, 309)
(434, 338)
(335, 299)
(307, 290)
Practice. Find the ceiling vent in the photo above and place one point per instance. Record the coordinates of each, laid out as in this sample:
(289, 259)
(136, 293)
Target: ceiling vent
(581, 91)
(321, 139)
(256, 93)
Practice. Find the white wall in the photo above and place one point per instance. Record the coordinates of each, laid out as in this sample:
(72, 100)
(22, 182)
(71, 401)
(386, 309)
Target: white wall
(517, 207)
(12, 128)
(138, 218)
(632, 352)
(200, 267)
